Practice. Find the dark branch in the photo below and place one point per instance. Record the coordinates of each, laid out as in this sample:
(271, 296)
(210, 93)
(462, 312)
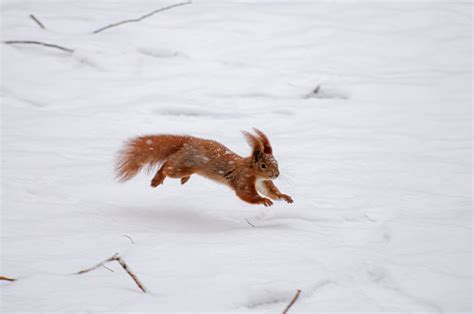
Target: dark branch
(37, 21)
(114, 257)
(129, 237)
(134, 277)
(316, 90)
(251, 224)
(7, 278)
(292, 301)
(32, 42)
(122, 263)
(109, 269)
(140, 18)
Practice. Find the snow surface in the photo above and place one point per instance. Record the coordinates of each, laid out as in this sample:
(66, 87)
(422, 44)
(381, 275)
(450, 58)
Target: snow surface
(378, 161)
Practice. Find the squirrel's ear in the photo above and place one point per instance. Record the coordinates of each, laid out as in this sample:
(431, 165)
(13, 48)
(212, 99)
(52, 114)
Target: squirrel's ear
(256, 144)
(267, 148)
(257, 154)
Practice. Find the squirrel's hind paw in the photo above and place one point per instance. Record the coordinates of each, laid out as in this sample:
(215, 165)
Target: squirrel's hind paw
(157, 181)
(185, 179)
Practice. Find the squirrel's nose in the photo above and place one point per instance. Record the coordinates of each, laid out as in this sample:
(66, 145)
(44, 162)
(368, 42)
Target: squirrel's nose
(276, 174)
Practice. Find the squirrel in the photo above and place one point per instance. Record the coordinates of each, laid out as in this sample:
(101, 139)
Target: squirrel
(181, 156)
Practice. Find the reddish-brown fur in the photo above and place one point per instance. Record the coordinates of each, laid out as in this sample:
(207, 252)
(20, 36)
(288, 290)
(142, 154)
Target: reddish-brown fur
(183, 156)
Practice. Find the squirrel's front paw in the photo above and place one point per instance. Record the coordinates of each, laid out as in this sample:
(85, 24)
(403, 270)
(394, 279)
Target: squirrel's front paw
(267, 202)
(287, 198)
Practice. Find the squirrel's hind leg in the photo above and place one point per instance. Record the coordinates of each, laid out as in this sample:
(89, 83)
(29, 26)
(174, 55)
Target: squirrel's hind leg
(174, 167)
(158, 178)
(185, 179)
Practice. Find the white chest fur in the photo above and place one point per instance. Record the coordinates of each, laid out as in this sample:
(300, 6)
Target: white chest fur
(261, 188)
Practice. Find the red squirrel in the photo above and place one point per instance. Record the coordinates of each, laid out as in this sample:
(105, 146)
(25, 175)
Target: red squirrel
(182, 156)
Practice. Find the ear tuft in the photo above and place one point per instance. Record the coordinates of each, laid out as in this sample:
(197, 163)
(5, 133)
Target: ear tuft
(267, 148)
(256, 144)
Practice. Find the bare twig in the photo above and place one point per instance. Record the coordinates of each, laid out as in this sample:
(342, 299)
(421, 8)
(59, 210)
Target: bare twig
(109, 269)
(129, 237)
(140, 18)
(292, 301)
(37, 21)
(121, 261)
(134, 277)
(33, 42)
(114, 257)
(315, 92)
(7, 278)
(369, 218)
(251, 224)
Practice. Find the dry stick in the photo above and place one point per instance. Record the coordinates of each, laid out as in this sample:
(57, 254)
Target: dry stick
(129, 237)
(292, 301)
(371, 219)
(32, 42)
(316, 90)
(37, 21)
(7, 278)
(140, 18)
(114, 257)
(122, 263)
(109, 269)
(134, 277)
(249, 223)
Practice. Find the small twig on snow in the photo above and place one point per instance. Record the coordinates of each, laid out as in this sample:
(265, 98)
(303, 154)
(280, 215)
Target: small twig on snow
(292, 301)
(98, 265)
(140, 18)
(129, 237)
(251, 224)
(369, 218)
(7, 278)
(37, 21)
(109, 269)
(134, 277)
(33, 42)
(316, 90)
(121, 261)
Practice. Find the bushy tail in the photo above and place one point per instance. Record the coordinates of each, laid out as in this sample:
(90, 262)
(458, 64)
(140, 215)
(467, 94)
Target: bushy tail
(145, 150)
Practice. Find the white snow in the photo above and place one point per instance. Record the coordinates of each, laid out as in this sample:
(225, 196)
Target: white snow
(378, 161)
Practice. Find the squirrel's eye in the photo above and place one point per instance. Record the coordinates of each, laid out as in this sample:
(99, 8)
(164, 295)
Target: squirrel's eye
(263, 166)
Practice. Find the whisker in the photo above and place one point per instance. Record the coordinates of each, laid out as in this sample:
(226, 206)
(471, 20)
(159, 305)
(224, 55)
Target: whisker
(286, 176)
(287, 182)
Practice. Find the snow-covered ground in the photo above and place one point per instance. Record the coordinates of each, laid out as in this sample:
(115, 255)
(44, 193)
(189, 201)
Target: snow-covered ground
(378, 161)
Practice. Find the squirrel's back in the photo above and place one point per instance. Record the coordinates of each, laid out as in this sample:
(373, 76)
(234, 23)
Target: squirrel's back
(205, 156)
